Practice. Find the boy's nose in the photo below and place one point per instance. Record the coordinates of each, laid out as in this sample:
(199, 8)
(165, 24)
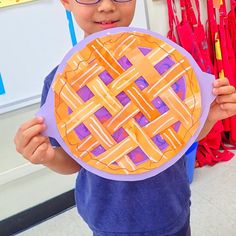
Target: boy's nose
(106, 6)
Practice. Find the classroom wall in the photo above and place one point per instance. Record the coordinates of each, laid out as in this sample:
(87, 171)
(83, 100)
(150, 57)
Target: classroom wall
(31, 46)
(23, 185)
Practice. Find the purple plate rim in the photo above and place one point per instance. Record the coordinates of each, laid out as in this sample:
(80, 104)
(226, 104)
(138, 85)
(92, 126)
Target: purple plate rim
(205, 82)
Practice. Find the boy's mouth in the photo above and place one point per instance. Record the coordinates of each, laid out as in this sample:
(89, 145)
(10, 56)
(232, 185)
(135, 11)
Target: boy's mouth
(107, 24)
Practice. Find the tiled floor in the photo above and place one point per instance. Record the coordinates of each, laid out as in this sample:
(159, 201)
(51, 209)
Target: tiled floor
(213, 207)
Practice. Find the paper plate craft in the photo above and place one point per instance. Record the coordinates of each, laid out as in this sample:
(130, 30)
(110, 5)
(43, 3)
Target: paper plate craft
(127, 103)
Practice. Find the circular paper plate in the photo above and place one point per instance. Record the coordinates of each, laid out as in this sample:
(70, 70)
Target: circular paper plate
(127, 103)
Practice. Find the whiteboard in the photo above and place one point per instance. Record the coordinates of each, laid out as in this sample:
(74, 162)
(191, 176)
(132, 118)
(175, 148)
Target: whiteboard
(34, 39)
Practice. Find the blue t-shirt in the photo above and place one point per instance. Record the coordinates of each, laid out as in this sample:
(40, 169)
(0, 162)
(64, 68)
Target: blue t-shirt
(153, 207)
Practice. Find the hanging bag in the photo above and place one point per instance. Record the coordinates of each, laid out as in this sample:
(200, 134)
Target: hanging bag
(208, 150)
(232, 25)
(182, 33)
(232, 34)
(173, 21)
(187, 38)
(229, 65)
(199, 33)
(186, 32)
(212, 29)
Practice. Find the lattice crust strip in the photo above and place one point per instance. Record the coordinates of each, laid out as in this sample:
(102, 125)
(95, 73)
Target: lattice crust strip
(126, 77)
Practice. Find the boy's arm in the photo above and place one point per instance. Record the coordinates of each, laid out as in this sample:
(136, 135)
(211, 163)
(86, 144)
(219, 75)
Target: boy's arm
(206, 129)
(223, 107)
(63, 163)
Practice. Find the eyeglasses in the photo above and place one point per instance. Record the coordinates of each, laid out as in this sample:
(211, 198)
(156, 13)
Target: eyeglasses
(93, 2)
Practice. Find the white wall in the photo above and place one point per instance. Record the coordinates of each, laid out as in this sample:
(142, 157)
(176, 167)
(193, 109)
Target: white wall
(31, 46)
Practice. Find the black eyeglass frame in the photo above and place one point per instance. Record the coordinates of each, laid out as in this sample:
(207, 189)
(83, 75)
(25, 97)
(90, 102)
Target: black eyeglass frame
(96, 2)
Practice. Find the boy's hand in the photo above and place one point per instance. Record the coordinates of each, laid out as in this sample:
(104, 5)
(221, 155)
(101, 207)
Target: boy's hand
(29, 141)
(224, 105)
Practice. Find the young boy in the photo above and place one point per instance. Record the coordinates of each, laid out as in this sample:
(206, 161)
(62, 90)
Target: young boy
(153, 207)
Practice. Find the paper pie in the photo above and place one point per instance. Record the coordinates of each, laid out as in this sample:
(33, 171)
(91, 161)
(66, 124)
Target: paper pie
(127, 103)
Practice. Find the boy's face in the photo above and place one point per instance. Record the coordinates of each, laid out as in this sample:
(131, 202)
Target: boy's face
(103, 15)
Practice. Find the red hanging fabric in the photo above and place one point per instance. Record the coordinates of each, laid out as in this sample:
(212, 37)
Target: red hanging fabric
(188, 39)
(232, 25)
(212, 32)
(226, 45)
(192, 37)
(199, 33)
(173, 21)
(208, 147)
(229, 64)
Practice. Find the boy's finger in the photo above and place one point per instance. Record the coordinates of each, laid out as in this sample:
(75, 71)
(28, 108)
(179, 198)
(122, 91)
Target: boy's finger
(224, 90)
(229, 107)
(39, 154)
(220, 82)
(231, 98)
(42, 154)
(29, 133)
(34, 143)
(32, 122)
